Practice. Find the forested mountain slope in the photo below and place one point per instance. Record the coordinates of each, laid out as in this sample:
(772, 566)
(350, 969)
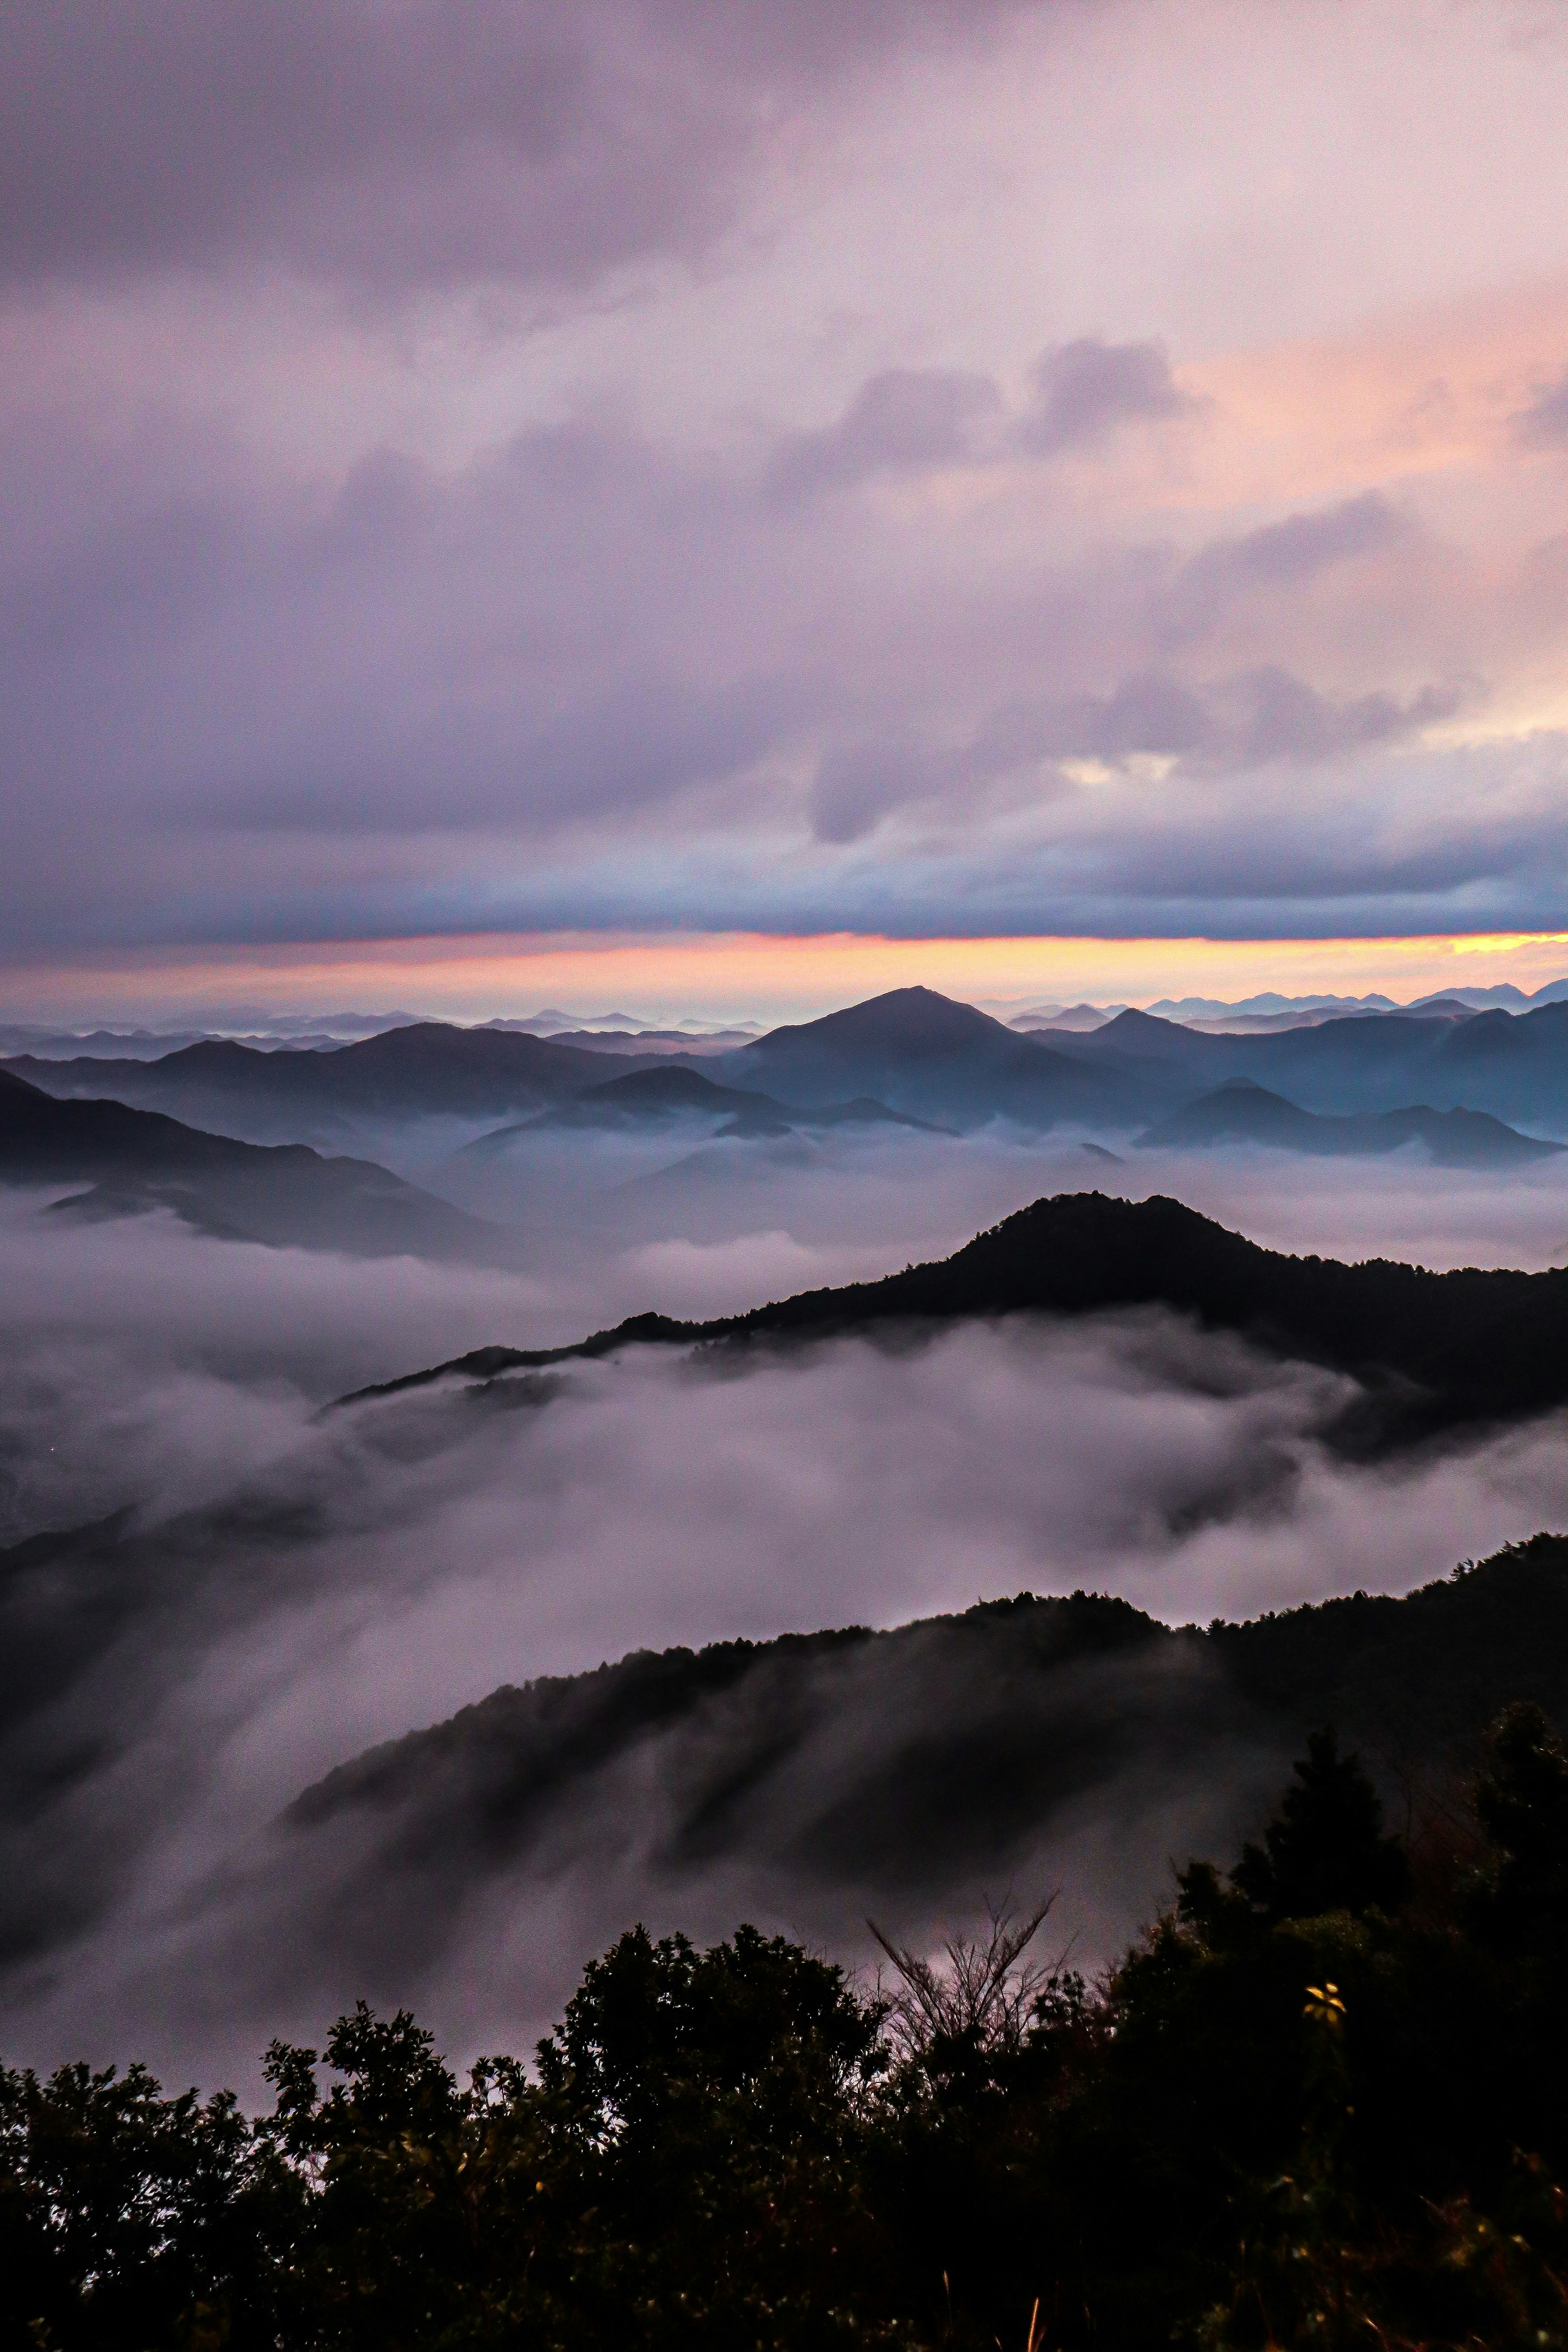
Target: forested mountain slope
(1432, 1350)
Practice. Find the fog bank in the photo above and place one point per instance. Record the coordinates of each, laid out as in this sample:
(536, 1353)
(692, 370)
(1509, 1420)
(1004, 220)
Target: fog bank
(287, 1588)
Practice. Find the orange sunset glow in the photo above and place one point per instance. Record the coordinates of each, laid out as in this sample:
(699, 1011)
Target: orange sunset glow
(738, 976)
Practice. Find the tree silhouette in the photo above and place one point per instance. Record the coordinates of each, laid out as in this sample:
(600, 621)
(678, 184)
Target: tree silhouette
(1327, 1851)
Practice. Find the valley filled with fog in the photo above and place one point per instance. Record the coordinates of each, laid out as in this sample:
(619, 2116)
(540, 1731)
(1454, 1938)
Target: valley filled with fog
(262, 1584)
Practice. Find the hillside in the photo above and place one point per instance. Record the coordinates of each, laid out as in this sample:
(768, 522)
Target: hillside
(1325, 2076)
(673, 1090)
(909, 1756)
(1515, 1066)
(1241, 1111)
(921, 1052)
(422, 1070)
(127, 1162)
(1432, 1350)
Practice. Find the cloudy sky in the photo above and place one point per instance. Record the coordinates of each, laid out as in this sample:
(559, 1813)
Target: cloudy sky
(491, 484)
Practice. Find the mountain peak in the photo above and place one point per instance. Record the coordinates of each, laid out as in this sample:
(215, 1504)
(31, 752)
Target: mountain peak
(902, 1020)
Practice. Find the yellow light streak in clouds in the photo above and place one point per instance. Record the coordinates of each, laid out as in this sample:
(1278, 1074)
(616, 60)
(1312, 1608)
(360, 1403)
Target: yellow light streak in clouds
(744, 975)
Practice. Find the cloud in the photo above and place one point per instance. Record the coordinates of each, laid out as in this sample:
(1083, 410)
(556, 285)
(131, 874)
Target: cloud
(857, 784)
(1279, 558)
(905, 420)
(389, 151)
(1084, 391)
(1275, 716)
(588, 679)
(1544, 424)
(917, 420)
(1228, 725)
(285, 1592)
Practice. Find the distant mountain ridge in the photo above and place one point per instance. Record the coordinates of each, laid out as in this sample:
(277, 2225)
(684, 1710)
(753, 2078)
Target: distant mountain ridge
(1433, 1351)
(672, 1090)
(422, 1069)
(922, 1053)
(1241, 1111)
(128, 1161)
(1513, 1065)
(912, 1050)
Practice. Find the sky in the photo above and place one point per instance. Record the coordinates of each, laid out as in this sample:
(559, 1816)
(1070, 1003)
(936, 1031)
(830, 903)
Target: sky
(733, 507)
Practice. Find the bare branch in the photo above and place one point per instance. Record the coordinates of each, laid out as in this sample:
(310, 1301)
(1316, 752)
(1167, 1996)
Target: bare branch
(977, 1991)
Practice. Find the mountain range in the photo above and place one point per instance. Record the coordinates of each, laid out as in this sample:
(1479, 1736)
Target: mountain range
(911, 1050)
(126, 1161)
(424, 1069)
(1429, 1351)
(1241, 1111)
(674, 1091)
(1513, 1065)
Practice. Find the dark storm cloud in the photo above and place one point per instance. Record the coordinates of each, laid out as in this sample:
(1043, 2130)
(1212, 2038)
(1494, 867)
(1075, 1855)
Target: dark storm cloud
(398, 147)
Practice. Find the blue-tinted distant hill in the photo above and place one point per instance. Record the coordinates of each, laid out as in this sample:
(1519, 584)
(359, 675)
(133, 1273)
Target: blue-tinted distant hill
(1241, 1111)
(424, 1069)
(671, 1091)
(922, 1053)
(1515, 1066)
(911, 1050)
(125, 1161)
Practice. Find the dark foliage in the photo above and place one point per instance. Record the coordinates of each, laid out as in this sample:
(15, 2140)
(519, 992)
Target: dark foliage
(1326, 1851)
(1322, 2102)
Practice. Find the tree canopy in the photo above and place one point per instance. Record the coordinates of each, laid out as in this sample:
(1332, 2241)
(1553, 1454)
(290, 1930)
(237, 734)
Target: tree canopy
(1323, 2101)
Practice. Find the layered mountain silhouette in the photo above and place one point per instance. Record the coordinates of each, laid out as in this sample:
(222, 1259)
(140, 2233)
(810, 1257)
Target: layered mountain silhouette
(912, 1051)
(960, 1748)
(426, 1069)
(673, 1091)
(1513, 1065)
(126, 1161)
(1241, 1111)
(1430, 1351)
(921, 1053)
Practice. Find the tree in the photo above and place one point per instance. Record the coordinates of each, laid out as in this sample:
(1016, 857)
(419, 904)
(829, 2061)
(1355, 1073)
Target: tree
(1326, 1851)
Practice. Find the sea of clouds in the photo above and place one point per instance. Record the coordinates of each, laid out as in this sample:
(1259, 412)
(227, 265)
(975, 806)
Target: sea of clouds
(281, 1587)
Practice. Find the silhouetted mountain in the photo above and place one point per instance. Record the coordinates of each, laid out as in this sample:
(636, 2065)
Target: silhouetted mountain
(129, 1161)
(922, 1053)
(949, 1749)
(425, 1068)
(1241, 1111)
(1432, 1350)
(912, 1051)
(673, 1091)
(1515, 1066)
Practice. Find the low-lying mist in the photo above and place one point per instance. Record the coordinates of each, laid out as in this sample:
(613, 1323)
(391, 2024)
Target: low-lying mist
(286, 1586)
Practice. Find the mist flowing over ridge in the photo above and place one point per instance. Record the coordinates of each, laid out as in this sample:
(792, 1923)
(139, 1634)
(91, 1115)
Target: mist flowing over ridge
(1463, 1346)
